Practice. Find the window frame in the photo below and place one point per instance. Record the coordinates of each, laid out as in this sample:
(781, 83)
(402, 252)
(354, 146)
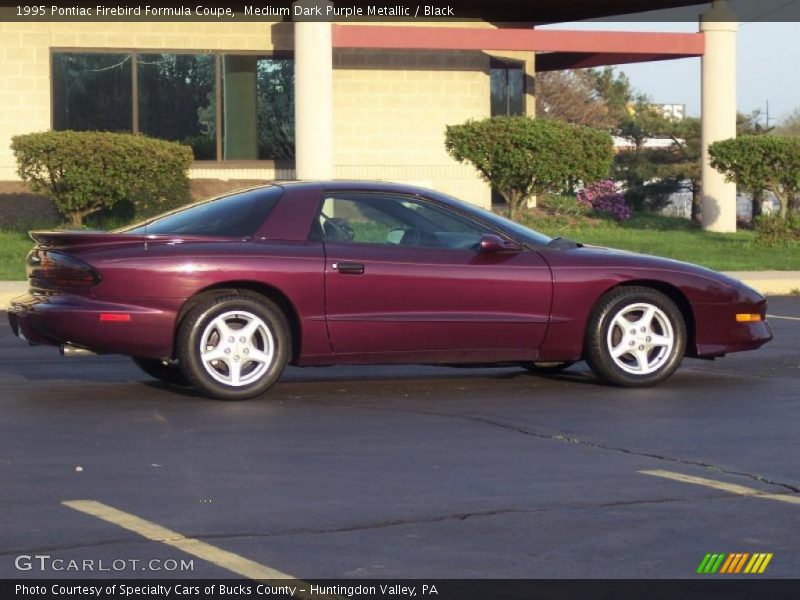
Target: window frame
(219, 162)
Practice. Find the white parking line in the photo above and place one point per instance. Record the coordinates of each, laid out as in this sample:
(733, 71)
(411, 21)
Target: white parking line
(739, 490)
(152, 531)
(780, 317)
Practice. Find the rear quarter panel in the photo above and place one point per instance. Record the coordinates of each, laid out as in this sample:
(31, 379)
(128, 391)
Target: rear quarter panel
(162, 277)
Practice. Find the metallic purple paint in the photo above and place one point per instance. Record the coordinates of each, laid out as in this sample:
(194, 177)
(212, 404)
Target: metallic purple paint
(411, 305)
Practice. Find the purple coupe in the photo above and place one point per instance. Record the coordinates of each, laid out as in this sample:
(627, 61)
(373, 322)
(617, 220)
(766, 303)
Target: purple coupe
(221, 295)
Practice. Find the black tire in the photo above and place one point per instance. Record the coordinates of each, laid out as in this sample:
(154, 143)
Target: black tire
(168, 373)
(660, 360)
(216, 378)
(548, 368)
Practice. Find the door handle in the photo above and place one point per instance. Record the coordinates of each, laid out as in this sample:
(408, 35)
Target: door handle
(349, 268)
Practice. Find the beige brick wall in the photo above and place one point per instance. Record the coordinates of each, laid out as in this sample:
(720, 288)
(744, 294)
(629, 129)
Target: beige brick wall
(390, 107)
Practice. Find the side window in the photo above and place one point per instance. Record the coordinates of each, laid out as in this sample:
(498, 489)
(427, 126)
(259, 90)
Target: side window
(390, 219)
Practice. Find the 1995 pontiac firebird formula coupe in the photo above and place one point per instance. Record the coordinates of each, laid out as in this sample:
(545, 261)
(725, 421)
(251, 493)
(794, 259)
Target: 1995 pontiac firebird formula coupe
(221, 295)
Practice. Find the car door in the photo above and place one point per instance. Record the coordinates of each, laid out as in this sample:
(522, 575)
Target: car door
(404, 275)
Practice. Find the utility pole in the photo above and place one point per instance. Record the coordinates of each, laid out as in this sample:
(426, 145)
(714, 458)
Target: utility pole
(767, 119)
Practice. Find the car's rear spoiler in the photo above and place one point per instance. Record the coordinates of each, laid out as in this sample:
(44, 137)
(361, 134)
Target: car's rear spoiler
(68, 239)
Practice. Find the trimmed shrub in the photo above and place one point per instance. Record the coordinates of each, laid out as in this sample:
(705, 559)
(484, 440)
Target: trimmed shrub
(605, 200)
(774, 231)
(761, 162)
(562, 205)
(84, 172)
(521, 156)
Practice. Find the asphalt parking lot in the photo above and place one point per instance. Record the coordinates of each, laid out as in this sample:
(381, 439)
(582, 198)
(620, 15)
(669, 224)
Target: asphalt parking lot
(403, 472)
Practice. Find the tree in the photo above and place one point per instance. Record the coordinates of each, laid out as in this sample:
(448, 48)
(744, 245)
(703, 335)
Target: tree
(571, 96)
(761, 162)
(790, 125)
(679, 166)
(750, 124)
(615, 90)
(521, 156)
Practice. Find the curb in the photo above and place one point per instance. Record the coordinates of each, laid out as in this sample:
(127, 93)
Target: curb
(773, 283)
(10, 290)
(776, 283)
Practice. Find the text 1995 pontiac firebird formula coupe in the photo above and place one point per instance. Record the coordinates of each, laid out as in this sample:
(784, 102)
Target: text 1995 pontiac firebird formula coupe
(223, 294)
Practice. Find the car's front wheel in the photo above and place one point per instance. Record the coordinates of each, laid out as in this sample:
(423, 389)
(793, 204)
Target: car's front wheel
(636, 336)
(233, 347)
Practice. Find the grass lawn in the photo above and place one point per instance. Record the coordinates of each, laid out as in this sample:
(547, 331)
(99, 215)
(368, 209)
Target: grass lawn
(14, 245)
(649, 234)
(673, 238)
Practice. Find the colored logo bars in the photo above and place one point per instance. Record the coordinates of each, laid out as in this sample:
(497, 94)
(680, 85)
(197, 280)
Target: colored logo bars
(735, 563)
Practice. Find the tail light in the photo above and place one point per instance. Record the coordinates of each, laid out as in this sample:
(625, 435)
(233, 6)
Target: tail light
(51, 270)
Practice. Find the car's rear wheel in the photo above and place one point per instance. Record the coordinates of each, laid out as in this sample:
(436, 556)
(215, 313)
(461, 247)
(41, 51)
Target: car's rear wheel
(636, 336)
(233, 347)
(167, 372)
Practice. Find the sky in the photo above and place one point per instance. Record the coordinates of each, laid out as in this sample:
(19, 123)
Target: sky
(767, 57)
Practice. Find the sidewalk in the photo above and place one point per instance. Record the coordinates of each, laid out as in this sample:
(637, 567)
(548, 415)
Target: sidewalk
(776, 283)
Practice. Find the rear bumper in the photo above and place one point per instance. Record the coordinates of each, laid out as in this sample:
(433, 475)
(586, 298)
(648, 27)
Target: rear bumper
(75, 320)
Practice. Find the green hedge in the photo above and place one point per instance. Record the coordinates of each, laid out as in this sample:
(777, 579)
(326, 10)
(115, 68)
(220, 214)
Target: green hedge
(85, 172)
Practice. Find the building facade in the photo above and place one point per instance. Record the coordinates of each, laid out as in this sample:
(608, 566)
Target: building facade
(274, 100)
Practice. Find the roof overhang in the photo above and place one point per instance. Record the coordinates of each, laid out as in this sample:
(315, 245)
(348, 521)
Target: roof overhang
(561, 11)
(559, 49)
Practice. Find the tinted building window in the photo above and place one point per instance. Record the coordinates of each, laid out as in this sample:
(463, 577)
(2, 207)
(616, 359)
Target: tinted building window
(258, 108)
(92, 92)
(507, 88)
(177, 100)
(225, 106)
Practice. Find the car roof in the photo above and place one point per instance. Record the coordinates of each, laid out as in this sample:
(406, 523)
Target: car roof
(354, 184)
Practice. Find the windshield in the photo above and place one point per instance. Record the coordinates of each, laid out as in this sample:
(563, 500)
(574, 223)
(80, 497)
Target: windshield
(237, 215)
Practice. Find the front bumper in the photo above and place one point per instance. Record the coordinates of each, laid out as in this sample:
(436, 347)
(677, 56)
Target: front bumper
(73, 319)
(718, 333)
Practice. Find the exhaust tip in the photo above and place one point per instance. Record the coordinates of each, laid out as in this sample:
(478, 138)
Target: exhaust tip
(71, 351)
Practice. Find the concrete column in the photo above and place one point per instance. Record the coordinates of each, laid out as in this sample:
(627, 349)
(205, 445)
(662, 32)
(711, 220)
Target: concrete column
(313, 93)
(719, 26)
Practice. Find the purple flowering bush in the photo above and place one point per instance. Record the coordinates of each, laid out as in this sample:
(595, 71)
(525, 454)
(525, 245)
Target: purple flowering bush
(605, 200)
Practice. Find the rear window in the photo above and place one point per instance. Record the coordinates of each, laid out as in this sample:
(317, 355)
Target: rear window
(237, 215)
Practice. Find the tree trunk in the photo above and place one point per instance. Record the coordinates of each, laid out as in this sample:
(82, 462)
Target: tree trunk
(697, 203)
(75, 218)
(512, 202)
(784, 200)
(758, 198)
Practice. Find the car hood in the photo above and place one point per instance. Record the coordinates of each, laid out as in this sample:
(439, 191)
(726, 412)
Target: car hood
(631, 264)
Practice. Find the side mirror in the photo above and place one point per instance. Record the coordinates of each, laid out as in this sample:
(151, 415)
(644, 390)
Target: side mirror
(494, 244)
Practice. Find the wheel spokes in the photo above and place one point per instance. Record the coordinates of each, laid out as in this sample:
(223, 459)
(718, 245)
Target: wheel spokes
(660, 340)
(217, 353)
(640, 346)
(248, 331)
(237, 348)
(259, 357)
(642, 359)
